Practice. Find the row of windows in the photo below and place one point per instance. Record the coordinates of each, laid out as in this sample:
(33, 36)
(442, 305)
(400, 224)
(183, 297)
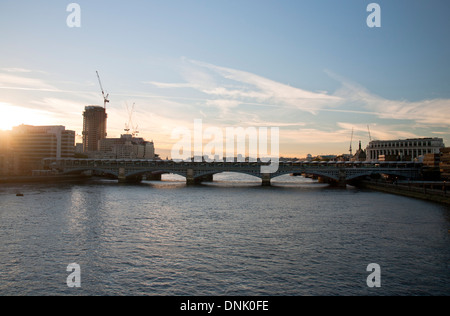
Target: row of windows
(374, 154)
(401, 144)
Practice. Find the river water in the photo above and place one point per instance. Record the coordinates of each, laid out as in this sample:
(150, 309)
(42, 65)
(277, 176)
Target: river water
(229, 237)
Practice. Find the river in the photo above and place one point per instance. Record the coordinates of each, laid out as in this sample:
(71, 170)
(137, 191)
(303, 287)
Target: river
(228, 237)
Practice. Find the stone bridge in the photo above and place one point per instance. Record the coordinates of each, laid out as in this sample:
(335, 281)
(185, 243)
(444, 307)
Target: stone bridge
(338, 173)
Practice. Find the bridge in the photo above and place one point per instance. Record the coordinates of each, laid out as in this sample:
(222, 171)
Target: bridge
(335, 173)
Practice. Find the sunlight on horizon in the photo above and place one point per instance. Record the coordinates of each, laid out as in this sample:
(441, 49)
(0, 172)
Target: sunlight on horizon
(12, 116)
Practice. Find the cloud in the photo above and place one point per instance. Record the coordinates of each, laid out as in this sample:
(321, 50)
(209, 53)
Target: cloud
(377, 131)
(230, 84)
(431, 112)
(231, 97)
(435, 112)
(225, 106)
(59, 106)
(20, 70)
(15, 82)
(163, 85)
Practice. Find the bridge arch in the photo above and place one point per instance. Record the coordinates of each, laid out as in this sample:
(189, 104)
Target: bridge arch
(209, 173)
(155, 172)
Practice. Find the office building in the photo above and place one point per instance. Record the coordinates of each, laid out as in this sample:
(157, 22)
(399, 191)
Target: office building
(5, 152)
(403, 150)
(444, 163)
(29, 145)
(126, 147)
(94, 127)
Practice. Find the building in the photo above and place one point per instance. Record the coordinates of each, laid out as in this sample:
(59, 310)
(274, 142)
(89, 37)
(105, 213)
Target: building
(30, 144)
(431, 160)
(79, 148)
(404, 150)
(430, 169)
(126, 147)
(5, 152)
(94, 127)
(444, 164)
(325, 158)
(360, 154)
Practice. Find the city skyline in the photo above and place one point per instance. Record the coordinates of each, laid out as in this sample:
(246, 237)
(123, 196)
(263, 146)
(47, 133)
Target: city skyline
(316, 70)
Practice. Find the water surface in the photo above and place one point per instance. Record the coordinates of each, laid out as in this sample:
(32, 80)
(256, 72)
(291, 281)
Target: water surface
(229, 237)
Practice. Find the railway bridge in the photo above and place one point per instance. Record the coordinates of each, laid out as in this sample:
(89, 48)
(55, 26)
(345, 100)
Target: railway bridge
(336, 173)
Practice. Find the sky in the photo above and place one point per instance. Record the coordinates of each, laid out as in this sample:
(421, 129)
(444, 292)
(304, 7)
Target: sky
(313, 68)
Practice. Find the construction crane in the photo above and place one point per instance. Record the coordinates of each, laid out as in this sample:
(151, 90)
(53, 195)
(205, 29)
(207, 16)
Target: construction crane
(105, 98)
(129, 126)
(370, 136)
(130, 113)
(351, 142)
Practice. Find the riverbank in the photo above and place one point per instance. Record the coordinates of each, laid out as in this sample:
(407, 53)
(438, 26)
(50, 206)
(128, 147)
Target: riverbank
(424, 191)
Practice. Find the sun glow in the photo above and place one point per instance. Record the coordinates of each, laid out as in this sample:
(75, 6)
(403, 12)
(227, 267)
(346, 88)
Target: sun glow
(11, 116)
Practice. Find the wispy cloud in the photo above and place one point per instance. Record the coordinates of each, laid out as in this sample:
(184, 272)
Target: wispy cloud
(240, 87)
(16, 82)
(434, 112)
(22, 70)
(306, 118)
(230, 97)
(377, 131)
(263, 89)
(164, 85)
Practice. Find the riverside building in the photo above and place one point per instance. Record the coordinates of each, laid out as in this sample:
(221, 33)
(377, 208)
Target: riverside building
(125, 147)
(29, 145)
(4, 152)
(404, 150)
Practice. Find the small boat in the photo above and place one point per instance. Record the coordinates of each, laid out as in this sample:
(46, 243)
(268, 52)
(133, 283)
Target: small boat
(19, 194)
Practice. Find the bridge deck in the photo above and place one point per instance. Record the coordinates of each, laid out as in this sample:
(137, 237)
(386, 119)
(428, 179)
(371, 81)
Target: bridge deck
(334, 171)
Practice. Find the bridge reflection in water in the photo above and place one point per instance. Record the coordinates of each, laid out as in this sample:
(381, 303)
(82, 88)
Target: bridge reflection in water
(335, 173)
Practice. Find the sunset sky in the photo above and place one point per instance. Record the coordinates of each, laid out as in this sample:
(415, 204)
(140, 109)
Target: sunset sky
(313, 68)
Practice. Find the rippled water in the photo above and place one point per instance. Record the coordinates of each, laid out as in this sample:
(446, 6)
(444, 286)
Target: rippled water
(230, 237)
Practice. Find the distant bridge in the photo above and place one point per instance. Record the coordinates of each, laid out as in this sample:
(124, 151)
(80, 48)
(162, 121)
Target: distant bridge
(338, 173)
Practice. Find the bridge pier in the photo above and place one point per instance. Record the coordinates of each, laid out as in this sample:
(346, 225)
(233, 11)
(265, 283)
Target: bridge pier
(342, 182)
(266, 177)
(122, 177)
(192, 180)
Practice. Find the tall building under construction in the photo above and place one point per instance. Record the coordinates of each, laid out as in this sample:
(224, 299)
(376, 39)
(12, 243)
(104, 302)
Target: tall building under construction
(94, 127)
